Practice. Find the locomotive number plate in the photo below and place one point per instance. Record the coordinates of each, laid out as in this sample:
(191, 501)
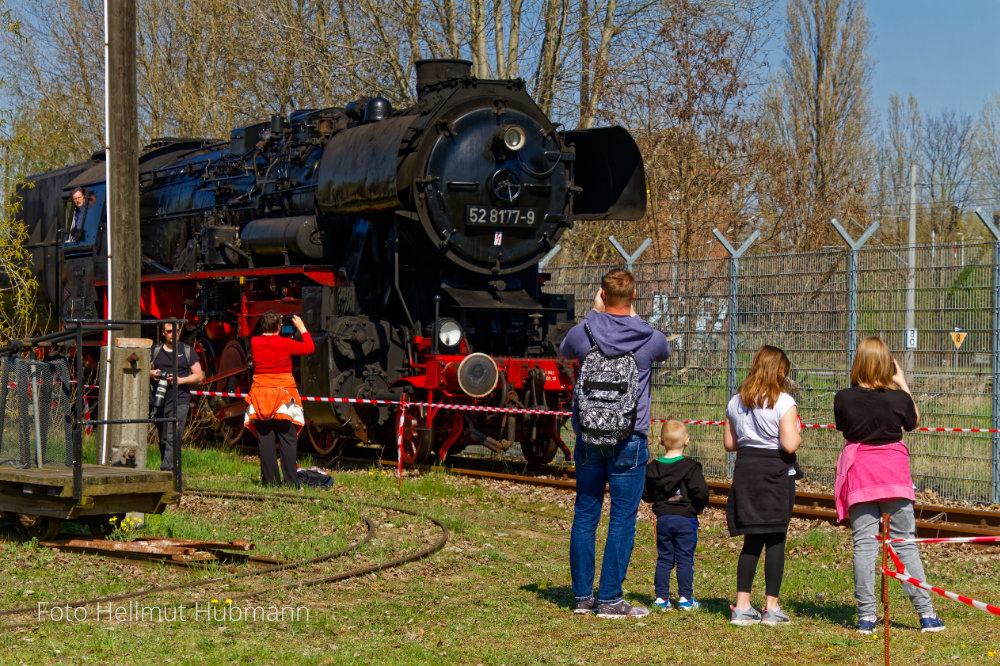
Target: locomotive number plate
(490, 216)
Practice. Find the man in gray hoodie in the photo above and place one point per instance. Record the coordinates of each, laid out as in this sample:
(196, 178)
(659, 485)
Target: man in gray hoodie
(617, 330)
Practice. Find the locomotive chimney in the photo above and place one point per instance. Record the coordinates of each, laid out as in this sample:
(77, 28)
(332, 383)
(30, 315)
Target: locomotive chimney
(431, 72)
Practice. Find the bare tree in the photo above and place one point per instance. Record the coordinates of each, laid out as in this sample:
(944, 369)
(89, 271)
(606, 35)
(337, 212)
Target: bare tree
(986, 152)
(899, 149)
(946, 148)
(818, 110)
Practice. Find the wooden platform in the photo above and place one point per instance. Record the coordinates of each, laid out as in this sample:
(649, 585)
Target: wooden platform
(48, 491)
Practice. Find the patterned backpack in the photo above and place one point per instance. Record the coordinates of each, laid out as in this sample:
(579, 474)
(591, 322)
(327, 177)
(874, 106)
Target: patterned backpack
(606, 395)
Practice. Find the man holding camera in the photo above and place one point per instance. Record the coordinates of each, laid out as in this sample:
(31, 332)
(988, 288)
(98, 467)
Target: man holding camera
(167, 400)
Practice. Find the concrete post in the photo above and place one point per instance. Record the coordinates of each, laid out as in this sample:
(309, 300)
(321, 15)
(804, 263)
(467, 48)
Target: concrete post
(128, 398)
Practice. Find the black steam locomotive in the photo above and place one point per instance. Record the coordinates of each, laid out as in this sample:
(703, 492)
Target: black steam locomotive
(409, 241)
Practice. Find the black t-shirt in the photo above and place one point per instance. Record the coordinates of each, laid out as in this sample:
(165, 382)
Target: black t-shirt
(164, 360)
(873, 416)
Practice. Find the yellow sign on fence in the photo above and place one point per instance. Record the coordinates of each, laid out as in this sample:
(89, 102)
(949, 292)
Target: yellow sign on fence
(958, 337)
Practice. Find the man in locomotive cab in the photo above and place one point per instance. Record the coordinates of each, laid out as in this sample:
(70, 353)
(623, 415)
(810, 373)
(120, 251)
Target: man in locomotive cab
(166, 401)
(611, 411)
(79, 214)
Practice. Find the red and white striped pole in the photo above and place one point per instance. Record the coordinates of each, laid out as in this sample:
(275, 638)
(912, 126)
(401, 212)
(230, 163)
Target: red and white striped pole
(399, 440)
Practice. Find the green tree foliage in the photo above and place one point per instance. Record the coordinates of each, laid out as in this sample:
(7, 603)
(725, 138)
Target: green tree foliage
(17, 283)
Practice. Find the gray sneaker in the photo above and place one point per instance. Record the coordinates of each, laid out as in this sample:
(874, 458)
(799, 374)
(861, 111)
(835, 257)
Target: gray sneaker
(745, 618)
(773, 618)
(584, 606)
(621, 609)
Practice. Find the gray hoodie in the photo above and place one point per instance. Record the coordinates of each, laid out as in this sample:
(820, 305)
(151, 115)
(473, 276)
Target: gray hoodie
(616, 335)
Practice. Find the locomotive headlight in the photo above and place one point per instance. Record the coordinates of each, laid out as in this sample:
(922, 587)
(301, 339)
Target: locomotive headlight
(514, 138)
(449, 332)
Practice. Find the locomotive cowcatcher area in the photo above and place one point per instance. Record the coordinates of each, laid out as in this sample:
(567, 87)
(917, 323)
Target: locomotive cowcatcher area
(497, 593)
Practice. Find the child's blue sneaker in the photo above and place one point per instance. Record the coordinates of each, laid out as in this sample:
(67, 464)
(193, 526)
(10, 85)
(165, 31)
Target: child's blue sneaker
(931, 622)
(663, 604)
(686, 604)
(866, 625)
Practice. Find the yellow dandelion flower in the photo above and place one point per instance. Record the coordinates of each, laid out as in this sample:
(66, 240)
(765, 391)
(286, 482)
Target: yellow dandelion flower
(112, 519)
(215, 601)
(229, 601)
(991, 653)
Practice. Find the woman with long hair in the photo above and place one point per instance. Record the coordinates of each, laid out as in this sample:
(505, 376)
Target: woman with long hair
(762, 427)
(873, 475)
(274, 413)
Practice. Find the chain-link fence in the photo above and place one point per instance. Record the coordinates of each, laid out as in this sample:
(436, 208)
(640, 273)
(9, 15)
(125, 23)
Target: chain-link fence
(800, 302)
(35, 412)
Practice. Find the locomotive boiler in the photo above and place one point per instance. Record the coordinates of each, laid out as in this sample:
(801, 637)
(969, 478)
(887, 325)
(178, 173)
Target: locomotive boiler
(409, 240)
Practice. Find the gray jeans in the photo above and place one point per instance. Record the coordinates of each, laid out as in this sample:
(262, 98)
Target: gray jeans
(166, 433)
(866, 524)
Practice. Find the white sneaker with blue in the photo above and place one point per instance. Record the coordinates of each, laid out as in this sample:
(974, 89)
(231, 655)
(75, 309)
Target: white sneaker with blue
(931, 623)
(663, 604)
(686, 604)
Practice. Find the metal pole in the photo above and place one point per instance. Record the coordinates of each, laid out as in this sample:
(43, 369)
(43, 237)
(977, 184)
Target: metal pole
(78, 417)
(630, 258)
(852, 285)
(733, 314)
(911, 270)
(995, 413)
(35, 386)
(885, 582)
(995, 416)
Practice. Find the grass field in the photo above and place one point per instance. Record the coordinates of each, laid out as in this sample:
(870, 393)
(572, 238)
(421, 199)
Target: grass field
(497, 594)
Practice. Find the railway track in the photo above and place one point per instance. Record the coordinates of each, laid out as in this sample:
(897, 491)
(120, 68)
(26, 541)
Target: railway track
(933, 521)
(235, 583)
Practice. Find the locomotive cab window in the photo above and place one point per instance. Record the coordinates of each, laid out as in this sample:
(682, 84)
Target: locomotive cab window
(92, 215)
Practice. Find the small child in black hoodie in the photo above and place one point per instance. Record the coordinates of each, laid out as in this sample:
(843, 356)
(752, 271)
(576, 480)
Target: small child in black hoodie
(676, 487)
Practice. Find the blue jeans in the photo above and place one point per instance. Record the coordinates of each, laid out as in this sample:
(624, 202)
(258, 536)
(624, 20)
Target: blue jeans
(623, 468)
(676, 539)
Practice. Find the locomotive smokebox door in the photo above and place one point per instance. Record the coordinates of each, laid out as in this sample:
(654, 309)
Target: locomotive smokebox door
(608, 169)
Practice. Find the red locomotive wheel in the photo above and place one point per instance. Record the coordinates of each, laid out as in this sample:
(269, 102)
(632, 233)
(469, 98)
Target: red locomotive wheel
(540, 451)
(323, 441)
(232, 366)
(417, 442)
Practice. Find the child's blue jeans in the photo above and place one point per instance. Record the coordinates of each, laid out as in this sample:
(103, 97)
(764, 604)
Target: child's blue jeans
(676, 538)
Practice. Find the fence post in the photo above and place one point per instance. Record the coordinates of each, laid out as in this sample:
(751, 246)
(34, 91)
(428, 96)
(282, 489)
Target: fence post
(630, 258)
(549, 256)
(734, 273)
(995, 418)
(852, 284)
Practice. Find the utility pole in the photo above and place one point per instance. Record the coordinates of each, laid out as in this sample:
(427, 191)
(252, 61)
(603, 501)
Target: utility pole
(123, 163)
(910, 335)
(121, 149)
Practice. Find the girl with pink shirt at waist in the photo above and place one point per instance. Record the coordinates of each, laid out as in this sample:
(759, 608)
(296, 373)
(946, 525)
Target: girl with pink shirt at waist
(873, 475)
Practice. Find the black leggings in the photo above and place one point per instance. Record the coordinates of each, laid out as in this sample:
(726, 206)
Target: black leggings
(774, 562)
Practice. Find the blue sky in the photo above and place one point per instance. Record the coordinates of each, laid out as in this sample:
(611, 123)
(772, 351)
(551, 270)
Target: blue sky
(944, 52)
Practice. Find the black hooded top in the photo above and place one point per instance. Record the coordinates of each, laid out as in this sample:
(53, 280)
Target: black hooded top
(676, 487)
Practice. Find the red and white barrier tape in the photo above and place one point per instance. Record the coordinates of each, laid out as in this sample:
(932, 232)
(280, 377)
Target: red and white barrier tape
(979, 539)
(969, 601)
(515, 410)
